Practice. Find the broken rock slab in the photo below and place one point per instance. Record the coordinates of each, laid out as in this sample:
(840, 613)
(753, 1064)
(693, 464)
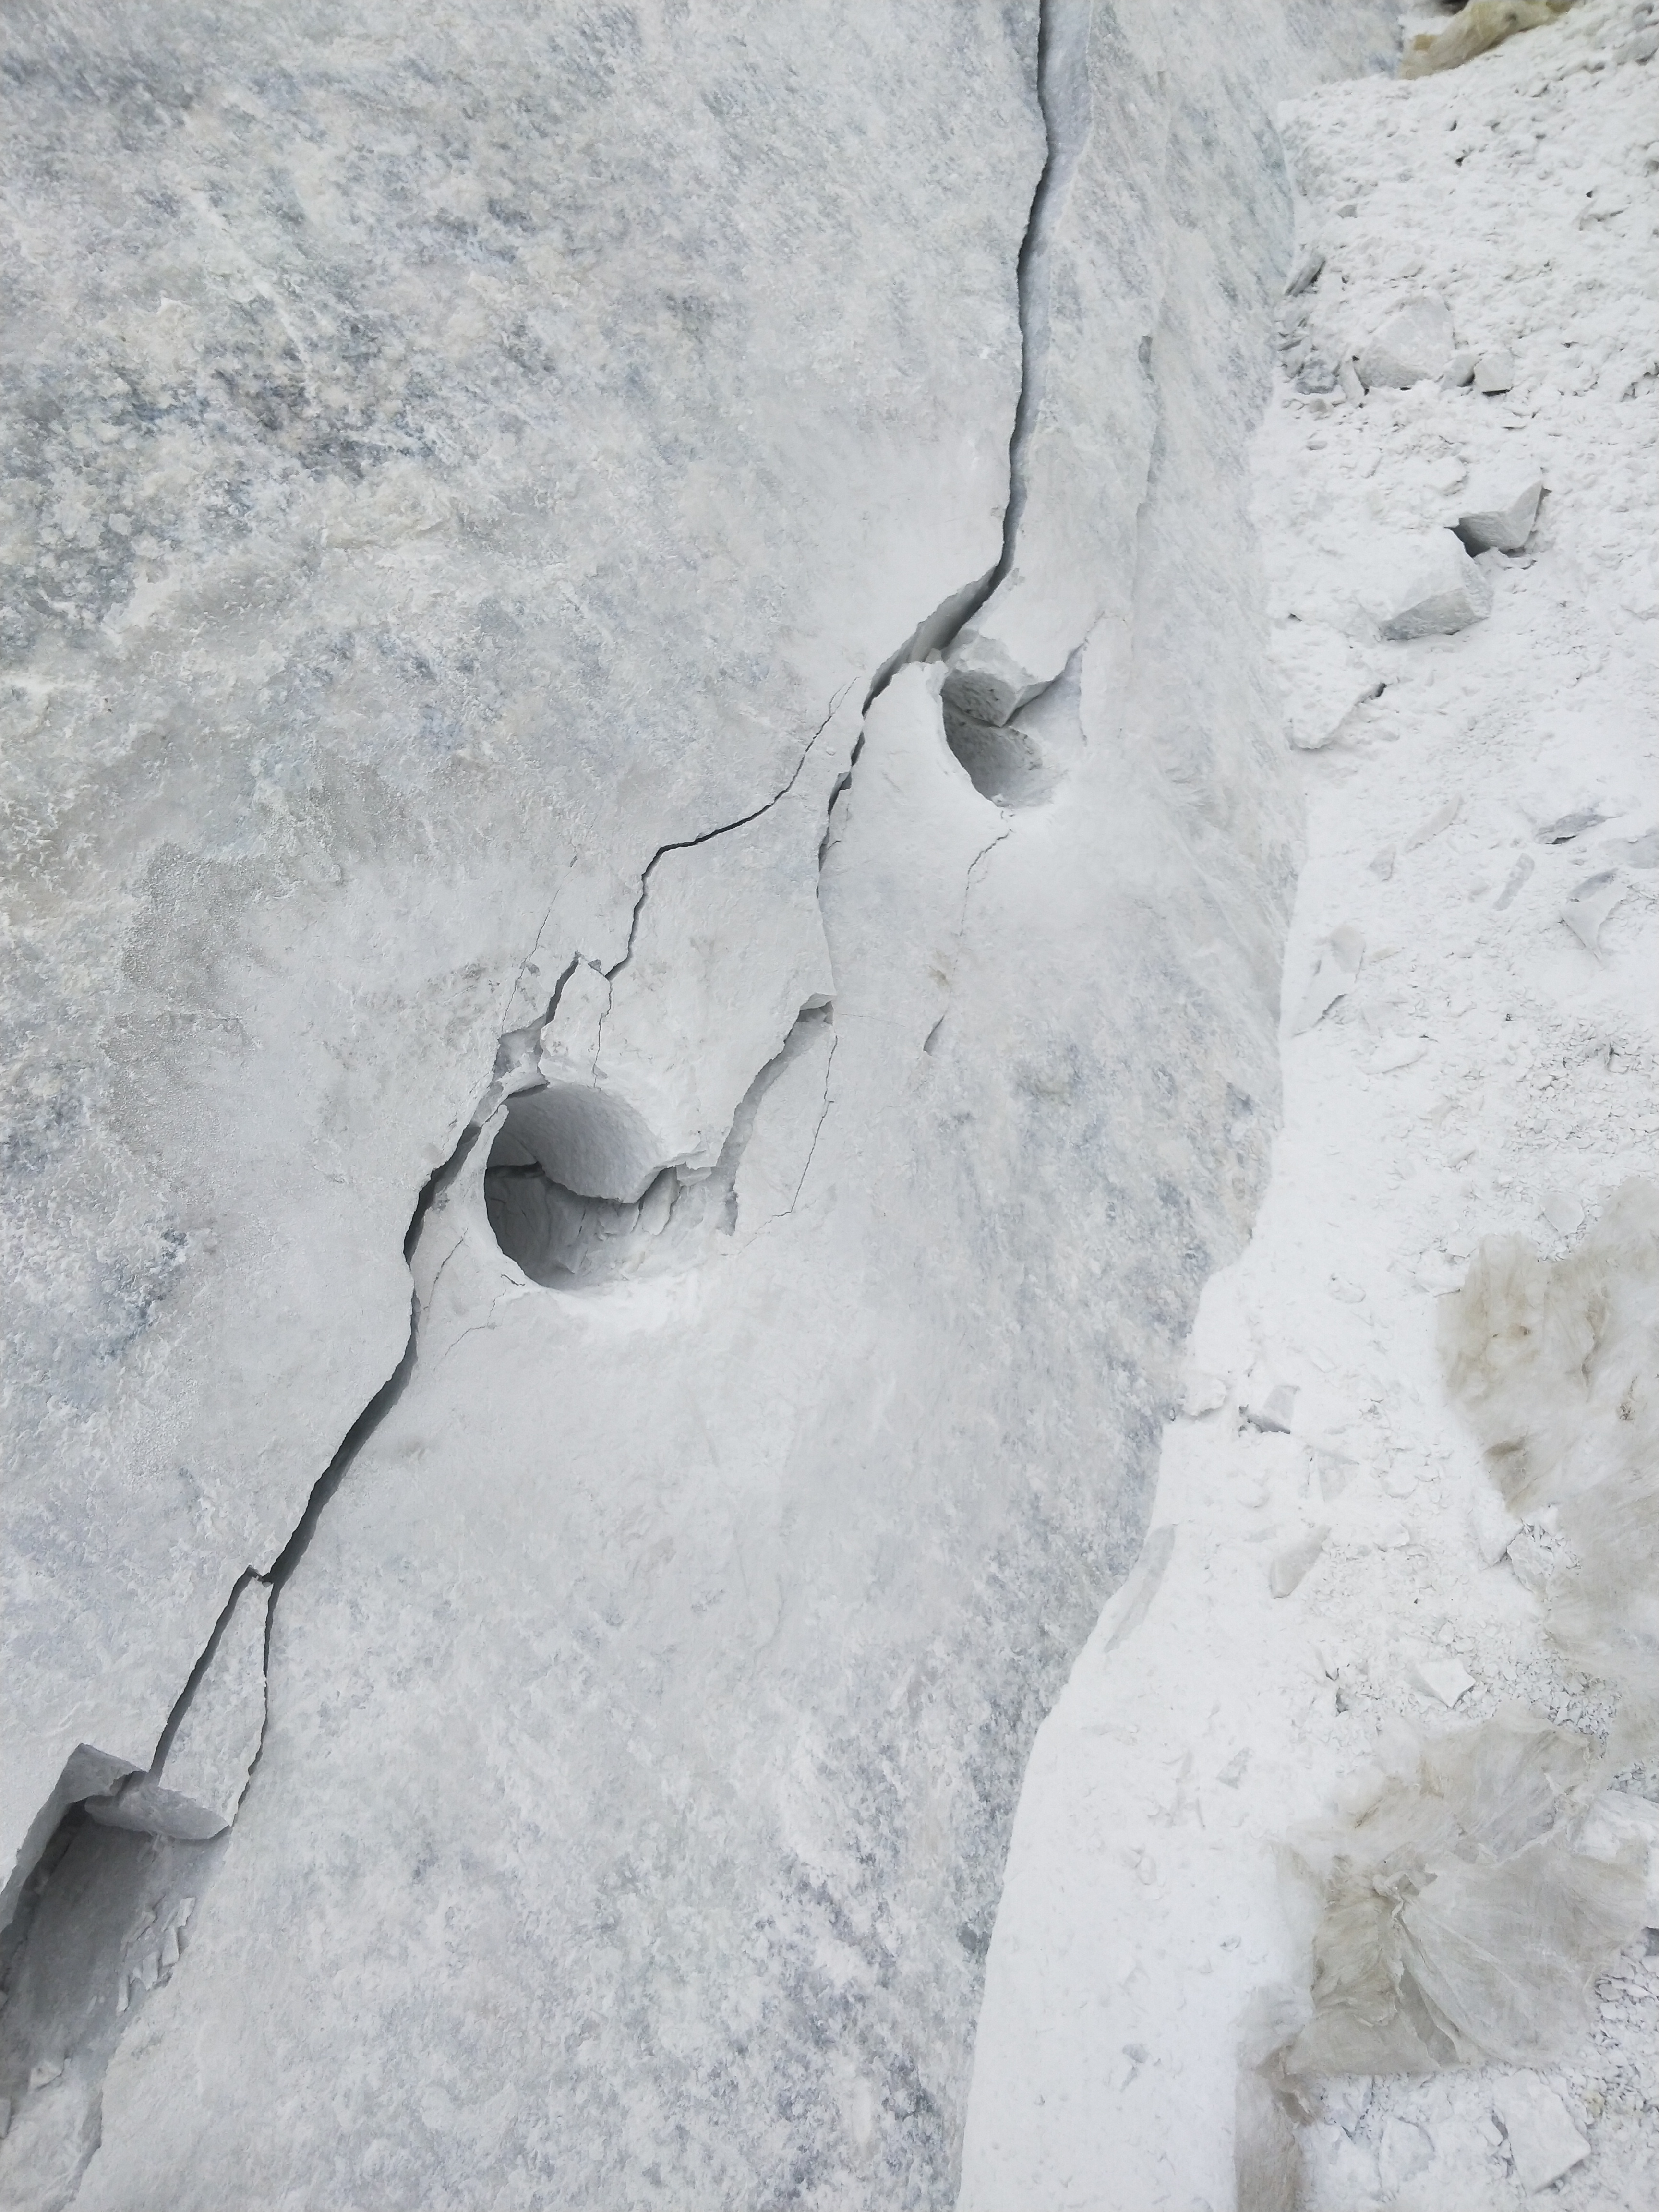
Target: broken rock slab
(1271, 1410)
(194, 1789)
(1339, 964)
(1416, 343)
(1306, 272)
(1544, 2138)
(1326, 677)
(1426, 586)
(1290, 1568)
(1495, 371)
(1500, 508)
(1588, 909)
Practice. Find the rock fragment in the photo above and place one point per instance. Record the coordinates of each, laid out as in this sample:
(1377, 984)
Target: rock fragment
(1495, 371)
(1429, 587)
(1415, 344)
(1290, 1567)
(1339, 964)
(1512, 883)
(1326, 678)
(1590, 906)
(1499, 509)
(1544, 2140)
(1271, 1411)
(1441, 818)
(1495, 1528)
(1444, 1678)
(1566, 827)
(1399, 1051)
(1406, 2149)
(1204, 1394)
(1563, 1212)
(1305, 273)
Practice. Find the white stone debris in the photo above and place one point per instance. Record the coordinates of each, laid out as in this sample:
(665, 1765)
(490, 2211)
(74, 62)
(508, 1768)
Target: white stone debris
(1327, 680)
(1445, 1679)
(1429, 1710)
(1495, 371)
(1340, 960)
(1480, 25)
(1271, 1408)
(1441, 818)
(1290, 1568)
(1413, 344)
(1426, 586)
(1590, 903)
(1500, 508)
(1564, 1213)
(1543, 2137)
(1203, 1393)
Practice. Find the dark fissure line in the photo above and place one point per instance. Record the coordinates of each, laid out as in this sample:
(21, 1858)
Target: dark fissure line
(384, 1399)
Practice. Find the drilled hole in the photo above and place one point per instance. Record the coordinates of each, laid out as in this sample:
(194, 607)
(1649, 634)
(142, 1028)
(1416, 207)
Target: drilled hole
(1003, 762)
(573, 1188)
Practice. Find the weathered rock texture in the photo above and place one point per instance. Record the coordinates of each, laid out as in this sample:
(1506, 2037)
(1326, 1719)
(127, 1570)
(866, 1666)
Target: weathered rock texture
(483, 461)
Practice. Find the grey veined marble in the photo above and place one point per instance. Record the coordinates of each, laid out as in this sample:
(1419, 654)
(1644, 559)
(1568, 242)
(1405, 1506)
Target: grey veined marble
(636, 709)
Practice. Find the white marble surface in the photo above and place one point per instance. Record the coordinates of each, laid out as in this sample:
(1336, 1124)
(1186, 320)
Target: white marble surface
(508, 450)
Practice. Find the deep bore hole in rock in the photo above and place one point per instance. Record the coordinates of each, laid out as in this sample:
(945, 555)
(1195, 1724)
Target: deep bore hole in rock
(1015, 755)
(573, 1185)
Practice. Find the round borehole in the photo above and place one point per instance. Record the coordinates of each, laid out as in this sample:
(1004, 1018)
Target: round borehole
(573, 1185)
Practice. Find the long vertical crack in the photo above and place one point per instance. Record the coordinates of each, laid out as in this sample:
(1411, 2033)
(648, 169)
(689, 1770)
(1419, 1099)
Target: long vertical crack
(1061, 38)
(1062, 102)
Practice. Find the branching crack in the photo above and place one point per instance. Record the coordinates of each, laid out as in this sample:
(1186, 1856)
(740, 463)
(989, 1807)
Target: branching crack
(724, 829)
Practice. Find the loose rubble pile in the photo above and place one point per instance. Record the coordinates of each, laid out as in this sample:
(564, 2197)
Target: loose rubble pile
(1334, 1885)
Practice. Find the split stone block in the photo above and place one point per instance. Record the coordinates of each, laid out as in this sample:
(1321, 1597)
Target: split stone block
(1415, 342)
(1544, 2140)
(1495, 371)
(1429, 587)
(1500, 508)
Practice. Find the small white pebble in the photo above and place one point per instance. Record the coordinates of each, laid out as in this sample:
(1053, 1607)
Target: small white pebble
(1445, 1679)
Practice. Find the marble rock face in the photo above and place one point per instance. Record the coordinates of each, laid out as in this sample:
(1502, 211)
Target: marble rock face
(557, 762)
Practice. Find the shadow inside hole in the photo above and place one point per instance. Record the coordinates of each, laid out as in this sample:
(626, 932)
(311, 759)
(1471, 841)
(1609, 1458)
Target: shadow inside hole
(1004, 764)
(101, 1922)
(560, 1238)
(1022, 761)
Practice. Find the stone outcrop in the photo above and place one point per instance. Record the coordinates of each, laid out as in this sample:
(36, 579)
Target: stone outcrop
(643, 706)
